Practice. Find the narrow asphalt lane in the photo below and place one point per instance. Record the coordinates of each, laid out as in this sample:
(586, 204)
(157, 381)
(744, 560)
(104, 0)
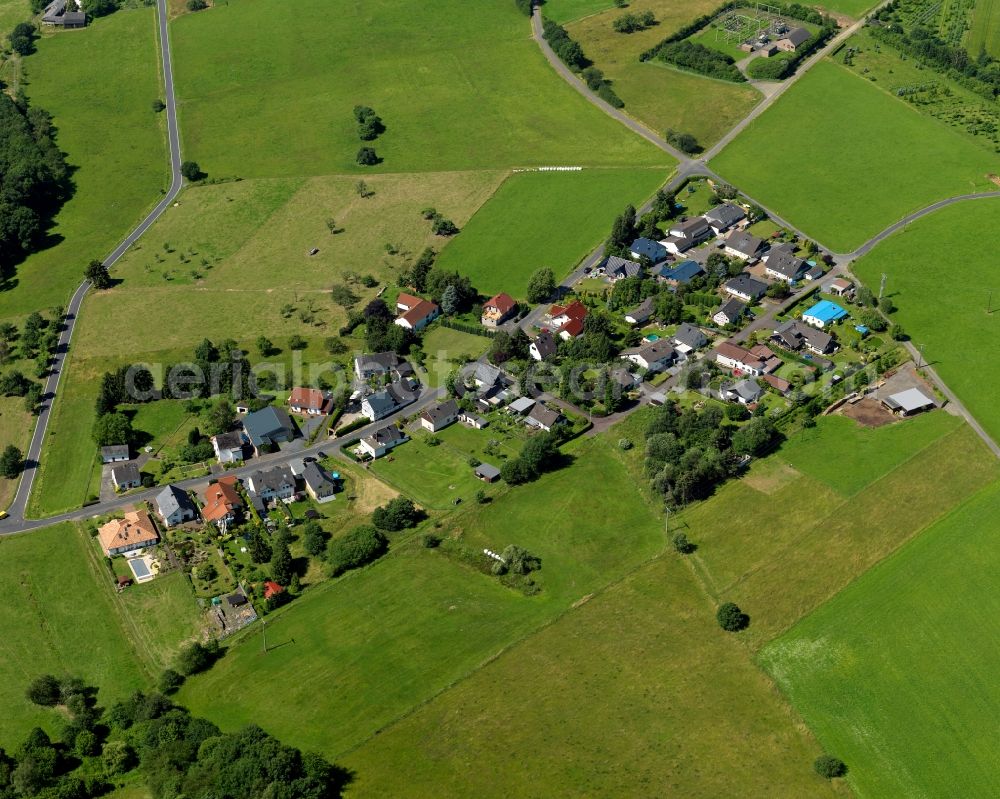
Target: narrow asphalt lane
(19, 505)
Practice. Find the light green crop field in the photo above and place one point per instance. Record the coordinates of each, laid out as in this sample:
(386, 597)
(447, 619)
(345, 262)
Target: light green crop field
(11, 13)
(543, 219)
(58, 617)
(985, 30)
(958, 349)
(863, 163)
(810, 529)
(370, 647)
(263, 91)
(896, 674)
(635, 693)
(653, 93)
(111, 137)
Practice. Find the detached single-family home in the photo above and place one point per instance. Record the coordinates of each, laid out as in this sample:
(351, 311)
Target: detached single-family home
(134, 531)
(310, 401)
(319, 485)
(126, 476)
(745, 287)
(647, 248)
(794, 335)
(438, 417)
(743, 245)
(379, 363)
(758, 360)
(653, 356)
(688, 338)
(813, 272)
(841, 286)
(781, 262)
(567, 320)
(793, 40)
(730, 312)
(419, 316)
(624, 379)
(543, 347)
(543, 417)
(382, 440)
(278, 482)
(694, 230)
(641, 313)
(267, 428)
(745, 392)
(723, 217)
(175, 506)
(222, 502)
(824, 313)
(679, 274)
(616, 268)
(228, 447)
(390, 399)
(407, 302)
(114, 454)
(497, 310)
(908, 402)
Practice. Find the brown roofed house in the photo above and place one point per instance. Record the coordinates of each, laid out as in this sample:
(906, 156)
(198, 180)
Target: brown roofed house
(134, 531)
(498, 309)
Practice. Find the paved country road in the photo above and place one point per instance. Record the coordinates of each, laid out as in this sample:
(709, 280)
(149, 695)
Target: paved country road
(32, 457)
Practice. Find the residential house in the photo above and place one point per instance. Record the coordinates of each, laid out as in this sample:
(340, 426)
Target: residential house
(779, 384)
(642, 313)
(278, 482)
(114, 454)
(387, 401)
(61, 13)
(543, 347)
(175, 506)
(647, 248)
(222, 502)
(679, 274)
(841, 286)
(730, 312)
(407, 302)
(125, 476)
(419, 316)
(438, 417)
(906, 403)
(795, 335)
(567, 320)
(756, 361)
(745, 287)
(319, 485)
(543, 417)
(623, 379)
(723, 217)
(311, 401)
(521, 406)
(484, 375)
(813, 273)
(74, 19)
(793, 40)
(473, 420)
(743, 245)
(377, 444)
(228, 447)
(781, 262)
(691, 232)
(745, 392)
(487, 473)
(616, 268)
(134, 531)
(267, 428)
(379, 363)
(824, 313)
(497, 310)
(653, 356)
(688, 338)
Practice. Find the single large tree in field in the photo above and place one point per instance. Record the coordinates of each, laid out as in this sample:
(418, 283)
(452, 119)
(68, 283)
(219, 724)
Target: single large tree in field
(11, 462)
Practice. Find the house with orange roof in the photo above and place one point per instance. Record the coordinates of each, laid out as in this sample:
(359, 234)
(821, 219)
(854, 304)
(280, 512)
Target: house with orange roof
(566, 321)
(417, 316)
(310, 401)
(498, 309)
(222, 502)
(134, 531)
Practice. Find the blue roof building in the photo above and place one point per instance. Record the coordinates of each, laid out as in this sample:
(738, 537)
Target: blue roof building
(824, 313)
(267, 427)
(647, 248)
(684, 272)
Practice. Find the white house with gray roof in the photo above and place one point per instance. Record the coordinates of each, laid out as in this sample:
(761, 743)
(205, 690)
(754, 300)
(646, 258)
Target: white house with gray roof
(174, 506)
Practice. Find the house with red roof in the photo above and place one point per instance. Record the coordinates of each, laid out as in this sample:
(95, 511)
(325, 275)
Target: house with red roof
(418, 315)
(310, 401)
(498, 309)
(566, 321)
(222, 502)
(271, 589)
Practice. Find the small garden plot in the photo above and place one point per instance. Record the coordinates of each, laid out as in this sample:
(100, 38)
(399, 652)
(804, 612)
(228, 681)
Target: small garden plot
(448, 349)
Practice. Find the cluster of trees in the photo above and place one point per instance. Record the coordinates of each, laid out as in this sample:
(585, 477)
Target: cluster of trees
(685, 142)
(22, 38)
(541, 285)
(689, 452)
(370, 127)
(701, 59)
(571, 54)
(731, 618)
(11, 462)
(627, 228)
(506, 347)
(630, 23)
(601, 86)
(362, 545)
(397, 514)
(34, 177)
(197, 5)
(441, 225)
(539, 454)
(526, 7)
(516, 560)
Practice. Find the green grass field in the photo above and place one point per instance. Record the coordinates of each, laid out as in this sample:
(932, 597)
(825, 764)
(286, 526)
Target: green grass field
(110, 135)
(447, 349)
(538, 219)
(11, 13)
(286, 110)
(57, 616)
(15, 428)
(896, 674)
(958, 349)
(563, 11)
(655, 94)
(864, 162)
(851, 8)
(985, 30)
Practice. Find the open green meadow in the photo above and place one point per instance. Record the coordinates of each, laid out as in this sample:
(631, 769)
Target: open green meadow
(58, 616)
(948, 317)
(447, 349)
(263, 91)
(864, 162)
(851, 8)
(543, 219)
(820, 512)
(11, 13)
(563, 11)
(985, 30)
(896, 674)
(111, 137)
(658, 95)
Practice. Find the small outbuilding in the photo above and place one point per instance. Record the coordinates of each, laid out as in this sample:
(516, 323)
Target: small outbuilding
(909, 402)
(487, 473)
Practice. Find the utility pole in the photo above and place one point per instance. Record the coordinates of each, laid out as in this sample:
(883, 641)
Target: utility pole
(989, 303)
(920, 358)
(263, 632)
(881, 288)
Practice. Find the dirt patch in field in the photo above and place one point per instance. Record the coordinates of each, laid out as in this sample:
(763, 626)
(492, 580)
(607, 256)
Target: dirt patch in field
(868, 412)
(768, 477)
